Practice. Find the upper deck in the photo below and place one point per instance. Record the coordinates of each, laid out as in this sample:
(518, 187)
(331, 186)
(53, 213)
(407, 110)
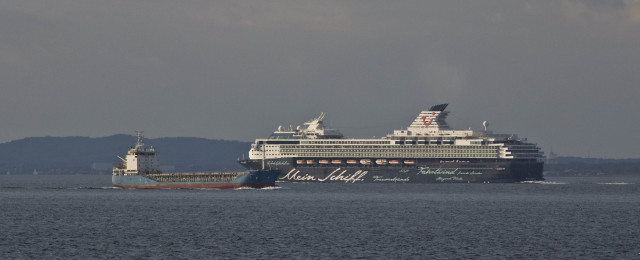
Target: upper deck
(313, 129)
(428, 135)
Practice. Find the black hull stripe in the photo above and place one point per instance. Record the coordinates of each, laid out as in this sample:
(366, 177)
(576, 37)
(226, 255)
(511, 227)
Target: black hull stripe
(424, 171)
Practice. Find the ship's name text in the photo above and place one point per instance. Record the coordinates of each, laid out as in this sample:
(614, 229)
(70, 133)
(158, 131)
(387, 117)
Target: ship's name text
(336, 175)
(453, 161)
(439, 171)
(394, 179)
(441, 179)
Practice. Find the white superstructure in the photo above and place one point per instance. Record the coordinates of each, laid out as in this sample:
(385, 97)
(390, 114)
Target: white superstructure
(428, 136)
(139, 160)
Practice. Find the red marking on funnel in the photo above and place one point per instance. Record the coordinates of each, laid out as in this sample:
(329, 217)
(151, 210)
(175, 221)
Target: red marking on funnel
(424, 120)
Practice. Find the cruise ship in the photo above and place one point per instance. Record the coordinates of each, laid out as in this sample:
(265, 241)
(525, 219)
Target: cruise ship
(428, 151)
(140, 169)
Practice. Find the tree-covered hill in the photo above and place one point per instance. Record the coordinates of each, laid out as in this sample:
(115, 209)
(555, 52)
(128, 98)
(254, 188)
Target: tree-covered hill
(97, 155)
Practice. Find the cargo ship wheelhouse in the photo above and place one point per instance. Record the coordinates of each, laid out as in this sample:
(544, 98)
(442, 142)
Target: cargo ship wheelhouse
(427, 151)
(140, 169)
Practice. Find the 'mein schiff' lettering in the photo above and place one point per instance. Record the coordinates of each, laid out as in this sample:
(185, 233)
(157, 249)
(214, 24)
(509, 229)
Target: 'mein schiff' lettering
(336, 175)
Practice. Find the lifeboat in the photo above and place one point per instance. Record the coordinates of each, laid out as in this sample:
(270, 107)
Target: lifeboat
(300, 161)
(365, 161)
(410, 162)
(381, 162)
(324, 161)
(352, 161)
(311, 162)
(336, 162)
(394, 162)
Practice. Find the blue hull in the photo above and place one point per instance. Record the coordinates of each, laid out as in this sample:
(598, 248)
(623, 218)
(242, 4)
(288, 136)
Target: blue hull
(253, 179)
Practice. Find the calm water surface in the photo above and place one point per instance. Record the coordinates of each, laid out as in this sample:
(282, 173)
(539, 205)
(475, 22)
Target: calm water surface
(82, 217)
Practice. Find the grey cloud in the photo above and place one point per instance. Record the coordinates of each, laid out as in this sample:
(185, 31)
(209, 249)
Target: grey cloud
(563, 73)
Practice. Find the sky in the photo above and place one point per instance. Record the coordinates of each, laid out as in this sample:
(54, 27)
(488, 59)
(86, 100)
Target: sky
(563, 73)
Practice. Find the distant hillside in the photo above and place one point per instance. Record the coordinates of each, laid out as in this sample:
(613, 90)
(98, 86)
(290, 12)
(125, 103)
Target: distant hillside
(98, 155)
(577, 166)
(71, 155)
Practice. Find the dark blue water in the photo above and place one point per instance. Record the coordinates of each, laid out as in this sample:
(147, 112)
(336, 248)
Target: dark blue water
(81, 217)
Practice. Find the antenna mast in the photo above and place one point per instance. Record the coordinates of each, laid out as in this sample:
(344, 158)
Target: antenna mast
(139, 136)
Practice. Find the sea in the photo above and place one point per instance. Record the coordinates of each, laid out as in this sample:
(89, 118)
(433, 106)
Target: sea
(83, 217)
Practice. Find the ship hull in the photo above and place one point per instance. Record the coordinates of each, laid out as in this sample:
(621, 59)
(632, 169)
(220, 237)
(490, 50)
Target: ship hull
(254, 179)
(419, 171)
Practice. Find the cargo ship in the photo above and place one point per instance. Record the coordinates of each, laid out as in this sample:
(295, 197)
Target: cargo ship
(427, 151)
(140, 169)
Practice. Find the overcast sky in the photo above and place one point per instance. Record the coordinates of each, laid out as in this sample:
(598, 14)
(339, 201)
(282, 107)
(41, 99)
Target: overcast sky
(563, 73)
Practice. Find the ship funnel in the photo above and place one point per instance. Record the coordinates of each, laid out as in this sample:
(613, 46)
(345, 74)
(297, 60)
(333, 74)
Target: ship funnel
(440, 107)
